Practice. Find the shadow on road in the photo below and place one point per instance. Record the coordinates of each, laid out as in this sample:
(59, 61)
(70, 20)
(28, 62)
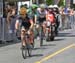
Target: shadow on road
(50, 45)
(59, 39)
(34, 55)
(39, 48)
(37, 55)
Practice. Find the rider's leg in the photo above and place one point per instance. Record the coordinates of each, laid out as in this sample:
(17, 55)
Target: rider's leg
(23, 37)
(31, 37)
(44, 29)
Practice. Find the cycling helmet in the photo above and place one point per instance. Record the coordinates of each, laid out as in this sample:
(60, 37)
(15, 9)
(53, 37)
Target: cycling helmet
(34, 6)
(55, 6)
(42, 6)
(50, 6)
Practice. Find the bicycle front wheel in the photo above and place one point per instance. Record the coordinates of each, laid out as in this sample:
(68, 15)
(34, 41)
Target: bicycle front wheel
(24, 53)
(29, 48)
(41, 36)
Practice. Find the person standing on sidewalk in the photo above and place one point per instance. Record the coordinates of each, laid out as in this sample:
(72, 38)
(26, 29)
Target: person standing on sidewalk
(11, 18)
(71, 18)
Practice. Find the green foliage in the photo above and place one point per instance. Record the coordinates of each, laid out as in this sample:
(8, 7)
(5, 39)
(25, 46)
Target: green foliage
(49, 2)
(61, 3)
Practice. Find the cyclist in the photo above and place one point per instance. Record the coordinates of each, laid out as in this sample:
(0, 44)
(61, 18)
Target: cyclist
(26, 24)
(58, 18)
(50, 24)
(50, 14)
(42, 16)
(32, 12)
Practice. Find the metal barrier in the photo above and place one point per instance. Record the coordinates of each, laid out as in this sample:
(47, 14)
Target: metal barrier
(67, 22)
(0, 29)
(5, 33)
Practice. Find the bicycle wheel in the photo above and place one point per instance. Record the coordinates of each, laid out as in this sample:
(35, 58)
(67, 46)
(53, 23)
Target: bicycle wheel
(24, 53)
(29, 48)
(52, 33)
(33, 41)
(41, 36)
(24, 48)
(48, 36)
(29, 52)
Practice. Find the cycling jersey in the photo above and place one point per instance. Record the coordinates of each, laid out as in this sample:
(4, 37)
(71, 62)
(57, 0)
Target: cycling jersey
(32, 14)
(25, 22)
(50, 17)
(42, 16)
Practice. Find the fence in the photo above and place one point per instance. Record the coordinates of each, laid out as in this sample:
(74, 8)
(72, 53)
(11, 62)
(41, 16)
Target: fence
(67, 22)
(5, 33)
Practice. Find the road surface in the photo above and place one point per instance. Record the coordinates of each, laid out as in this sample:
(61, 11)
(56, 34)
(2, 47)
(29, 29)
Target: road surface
(61, 50)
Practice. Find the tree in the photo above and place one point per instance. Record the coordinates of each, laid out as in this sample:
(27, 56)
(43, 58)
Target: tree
(49, 2)
(61, 3)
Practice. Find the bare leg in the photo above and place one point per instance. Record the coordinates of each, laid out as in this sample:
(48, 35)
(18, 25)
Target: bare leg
(23, 37)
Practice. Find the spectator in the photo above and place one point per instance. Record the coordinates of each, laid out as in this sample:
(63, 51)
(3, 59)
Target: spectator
(72, 18)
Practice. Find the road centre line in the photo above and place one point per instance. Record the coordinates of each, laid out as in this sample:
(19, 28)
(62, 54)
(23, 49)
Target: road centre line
(56, 53)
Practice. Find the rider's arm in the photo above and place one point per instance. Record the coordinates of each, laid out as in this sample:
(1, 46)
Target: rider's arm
(46, 17)
(31, 21)
(17, 25)
(35, 18)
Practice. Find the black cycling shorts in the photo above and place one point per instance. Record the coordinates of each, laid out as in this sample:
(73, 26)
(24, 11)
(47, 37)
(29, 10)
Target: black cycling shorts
(41, 20)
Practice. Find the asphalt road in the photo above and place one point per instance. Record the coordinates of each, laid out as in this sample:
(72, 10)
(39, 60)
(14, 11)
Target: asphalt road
(61, 50)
